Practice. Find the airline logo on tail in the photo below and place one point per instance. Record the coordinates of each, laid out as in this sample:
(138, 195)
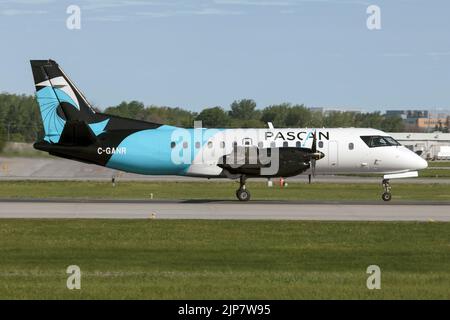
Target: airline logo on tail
(60, 100)
(62, 90)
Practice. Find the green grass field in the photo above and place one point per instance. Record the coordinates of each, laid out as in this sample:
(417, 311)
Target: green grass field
(190, 259)
(435, 172)
(438, 164)
(204, 189)
(436, 169)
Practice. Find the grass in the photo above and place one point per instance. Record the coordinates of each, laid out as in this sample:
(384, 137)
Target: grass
(216, 190)
(437, 164)
(172, 259)
(435, 172)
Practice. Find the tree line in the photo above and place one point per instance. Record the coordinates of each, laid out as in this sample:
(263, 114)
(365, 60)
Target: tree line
(20, 119)
(244, 114)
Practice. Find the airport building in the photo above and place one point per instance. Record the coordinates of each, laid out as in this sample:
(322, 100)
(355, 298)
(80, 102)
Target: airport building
(422, 120)
(435, 145)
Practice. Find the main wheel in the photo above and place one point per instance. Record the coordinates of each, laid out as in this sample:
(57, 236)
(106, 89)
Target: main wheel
(386, 196)
(243, 195)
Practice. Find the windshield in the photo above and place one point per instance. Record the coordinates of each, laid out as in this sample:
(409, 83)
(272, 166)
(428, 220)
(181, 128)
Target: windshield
(379, 141)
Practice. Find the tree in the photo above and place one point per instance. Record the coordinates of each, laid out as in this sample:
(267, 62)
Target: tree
(393, 124)
(131, 109)
(20, 117)
(252, 123)
(214, 117)
(336, 119)
(243, 109)
(298, 117)
(164, 115)
(369, 120)
(276, 114)
(316, 119)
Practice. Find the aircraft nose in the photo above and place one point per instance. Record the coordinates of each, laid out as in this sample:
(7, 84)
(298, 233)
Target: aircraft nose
(420, 163)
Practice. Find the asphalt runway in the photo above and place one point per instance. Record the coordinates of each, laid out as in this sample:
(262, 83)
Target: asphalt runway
(207, 209)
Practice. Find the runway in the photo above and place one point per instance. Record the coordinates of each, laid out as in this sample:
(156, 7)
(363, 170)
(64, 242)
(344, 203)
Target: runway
(207, 209)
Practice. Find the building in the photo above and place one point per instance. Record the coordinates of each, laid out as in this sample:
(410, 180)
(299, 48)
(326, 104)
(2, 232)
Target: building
(408, 114)
(328, 110)
(422, 120)
(427, 145)
(431, 124)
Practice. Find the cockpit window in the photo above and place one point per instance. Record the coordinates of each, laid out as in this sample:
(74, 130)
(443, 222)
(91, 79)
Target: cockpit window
(379, 141)
(392, 141)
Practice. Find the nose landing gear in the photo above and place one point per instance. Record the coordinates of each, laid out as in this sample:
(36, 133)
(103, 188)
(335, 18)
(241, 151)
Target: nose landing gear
(242, 193)
(386, 196)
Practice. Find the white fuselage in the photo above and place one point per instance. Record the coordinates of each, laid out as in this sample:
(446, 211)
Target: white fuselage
(343, 148)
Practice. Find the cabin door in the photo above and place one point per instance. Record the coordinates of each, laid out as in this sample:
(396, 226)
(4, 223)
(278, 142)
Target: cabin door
(333, 155)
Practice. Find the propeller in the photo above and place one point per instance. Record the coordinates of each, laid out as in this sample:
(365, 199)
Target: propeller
(314, 155)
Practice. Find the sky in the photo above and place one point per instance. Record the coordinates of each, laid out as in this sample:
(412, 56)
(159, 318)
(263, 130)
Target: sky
(206, 53)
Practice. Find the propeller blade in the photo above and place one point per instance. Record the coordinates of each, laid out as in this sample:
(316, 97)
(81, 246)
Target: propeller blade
(314, 144)
(314, 152)
(313, 167)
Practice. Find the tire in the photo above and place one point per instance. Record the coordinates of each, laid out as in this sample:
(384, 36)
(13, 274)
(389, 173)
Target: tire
(243, 195)
(386, 196)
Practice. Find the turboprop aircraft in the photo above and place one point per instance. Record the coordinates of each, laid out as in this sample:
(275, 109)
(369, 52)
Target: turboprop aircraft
(74, 130)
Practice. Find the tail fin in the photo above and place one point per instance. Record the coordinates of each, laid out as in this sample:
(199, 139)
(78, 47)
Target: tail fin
(58, 98)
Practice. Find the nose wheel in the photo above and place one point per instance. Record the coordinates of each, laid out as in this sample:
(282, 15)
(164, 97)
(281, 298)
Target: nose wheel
(242, 193)
(386, 196)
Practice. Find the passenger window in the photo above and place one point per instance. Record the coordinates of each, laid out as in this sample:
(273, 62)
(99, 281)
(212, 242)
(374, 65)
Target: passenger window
(285, 144)
(222, 144)
(173, 144)
(185, 144)
(272, 144)
(351, 146)
(210, 144)
(260, 144)
(197, 145)
(320, 144)
(298, 144)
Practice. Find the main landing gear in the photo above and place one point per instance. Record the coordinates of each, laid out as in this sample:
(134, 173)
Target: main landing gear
(242, 193)
(386, 196)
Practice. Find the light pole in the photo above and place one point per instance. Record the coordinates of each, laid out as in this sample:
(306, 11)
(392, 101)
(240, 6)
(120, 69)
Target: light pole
(8, 135)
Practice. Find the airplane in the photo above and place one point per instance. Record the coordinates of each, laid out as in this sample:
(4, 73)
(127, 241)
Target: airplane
(74, 130)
